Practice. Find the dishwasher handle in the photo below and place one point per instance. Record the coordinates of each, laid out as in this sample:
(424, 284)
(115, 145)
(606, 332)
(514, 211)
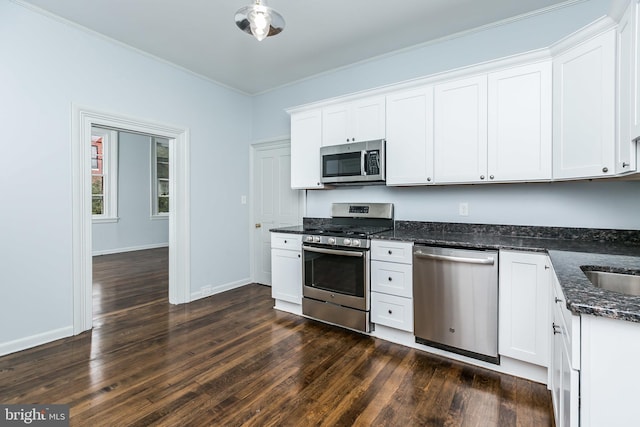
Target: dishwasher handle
(483, 261)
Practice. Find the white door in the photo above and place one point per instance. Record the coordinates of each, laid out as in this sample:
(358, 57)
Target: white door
(274, 203)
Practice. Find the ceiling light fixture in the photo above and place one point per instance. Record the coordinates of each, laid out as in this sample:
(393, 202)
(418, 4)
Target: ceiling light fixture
(259, 20)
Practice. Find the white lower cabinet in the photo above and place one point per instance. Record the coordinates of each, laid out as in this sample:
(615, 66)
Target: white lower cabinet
(565, 372)
(524, 306)
(286, 267)
(392, 284)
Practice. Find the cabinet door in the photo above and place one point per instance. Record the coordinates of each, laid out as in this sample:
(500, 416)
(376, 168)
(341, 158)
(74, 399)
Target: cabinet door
(305, 149)
(569, 405)
(584, 109)
(286, 275)
(557, 359)
(410, 137)
(519, 133)
(335, 125)
(460, 131)
(625, 147)
(524, 307)
(635, 81)
(368, 119)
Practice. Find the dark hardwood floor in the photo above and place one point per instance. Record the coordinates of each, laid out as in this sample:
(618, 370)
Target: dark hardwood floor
(231, 359)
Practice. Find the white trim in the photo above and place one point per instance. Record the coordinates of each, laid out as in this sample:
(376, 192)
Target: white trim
(220, 288)
(179, 225)
(35, 340)
(104, 220)
(163, 216)
(582, 35)
(130, 249)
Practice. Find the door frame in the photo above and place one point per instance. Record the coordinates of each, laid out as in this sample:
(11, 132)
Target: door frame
(82, 119)
(263, 145)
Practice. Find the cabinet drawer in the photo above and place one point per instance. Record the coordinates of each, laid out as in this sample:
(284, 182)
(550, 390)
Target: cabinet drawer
(286, 241)
(385, 250)
(392, 278)
(389, 310)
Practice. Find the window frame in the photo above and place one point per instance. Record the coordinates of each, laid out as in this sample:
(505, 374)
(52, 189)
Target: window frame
(155, 214)
(109, 174)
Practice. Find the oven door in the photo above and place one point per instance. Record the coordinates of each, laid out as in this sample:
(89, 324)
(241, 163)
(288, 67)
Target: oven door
(339, 276)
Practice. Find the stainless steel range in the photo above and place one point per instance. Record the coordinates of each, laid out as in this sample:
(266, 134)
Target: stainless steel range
(336, 264)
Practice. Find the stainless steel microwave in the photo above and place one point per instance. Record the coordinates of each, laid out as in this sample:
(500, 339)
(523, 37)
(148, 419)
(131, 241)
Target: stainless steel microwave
(356, 162)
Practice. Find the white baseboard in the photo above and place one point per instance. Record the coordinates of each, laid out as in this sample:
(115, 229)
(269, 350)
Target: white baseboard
(35, 340)
(130, 249)
(203, 293)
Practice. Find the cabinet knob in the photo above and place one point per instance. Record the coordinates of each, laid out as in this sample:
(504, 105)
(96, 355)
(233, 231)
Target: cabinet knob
(390, 312)
(546, 267)
(298, 255)
(558, 300)
(605, 169)
(390, 253)
(481, 176)
(285, 242)
(490, 176)
(429, 179)
(347, 139)
(353, 139)
(390, 279)
(556, 329)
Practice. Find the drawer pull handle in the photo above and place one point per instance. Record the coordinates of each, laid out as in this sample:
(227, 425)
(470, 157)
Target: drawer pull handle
(556, 329)
(558, 300)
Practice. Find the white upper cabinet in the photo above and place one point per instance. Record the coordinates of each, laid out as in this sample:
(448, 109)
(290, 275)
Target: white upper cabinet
(409, 149)
(584, 109)
(519, 132)
(460, 131)
(635, 76)
(361, 120)
(306, 131)
(625, 149)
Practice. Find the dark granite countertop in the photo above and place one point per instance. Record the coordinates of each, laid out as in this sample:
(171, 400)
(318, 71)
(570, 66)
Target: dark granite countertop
(568, 249)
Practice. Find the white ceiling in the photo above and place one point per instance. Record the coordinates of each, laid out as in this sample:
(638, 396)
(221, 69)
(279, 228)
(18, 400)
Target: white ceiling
(320, 35)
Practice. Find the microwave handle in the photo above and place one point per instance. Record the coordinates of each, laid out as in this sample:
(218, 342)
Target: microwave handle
(363, 157)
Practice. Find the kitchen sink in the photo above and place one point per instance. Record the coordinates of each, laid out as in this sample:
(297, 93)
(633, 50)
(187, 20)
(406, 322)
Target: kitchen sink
(617, 282)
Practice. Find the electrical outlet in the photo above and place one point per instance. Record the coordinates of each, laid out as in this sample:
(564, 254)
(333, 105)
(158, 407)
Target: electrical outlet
(463, 209)
(243, 200)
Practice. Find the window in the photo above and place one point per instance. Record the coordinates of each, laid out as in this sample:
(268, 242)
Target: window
(160, 177)
(104, 174)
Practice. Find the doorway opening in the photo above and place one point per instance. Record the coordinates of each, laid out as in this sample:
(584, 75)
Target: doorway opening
(83, 119)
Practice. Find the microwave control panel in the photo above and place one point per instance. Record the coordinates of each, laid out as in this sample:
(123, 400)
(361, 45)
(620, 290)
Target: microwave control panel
(373, 162)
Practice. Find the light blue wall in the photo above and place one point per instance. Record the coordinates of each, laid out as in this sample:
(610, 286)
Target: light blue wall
(135, 229)
(47, 66)
(579, 204)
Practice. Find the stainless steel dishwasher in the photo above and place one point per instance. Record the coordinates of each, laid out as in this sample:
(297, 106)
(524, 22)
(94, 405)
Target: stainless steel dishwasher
(455, 300)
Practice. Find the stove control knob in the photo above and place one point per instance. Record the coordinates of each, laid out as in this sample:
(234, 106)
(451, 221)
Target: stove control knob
(346, 242)
(331, 241)
(316, 239)
(309, 239)
(355, 242)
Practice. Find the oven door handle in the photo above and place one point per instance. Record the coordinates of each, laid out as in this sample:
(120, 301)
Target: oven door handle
(363, 168)
(485, 261)
(333, 251)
